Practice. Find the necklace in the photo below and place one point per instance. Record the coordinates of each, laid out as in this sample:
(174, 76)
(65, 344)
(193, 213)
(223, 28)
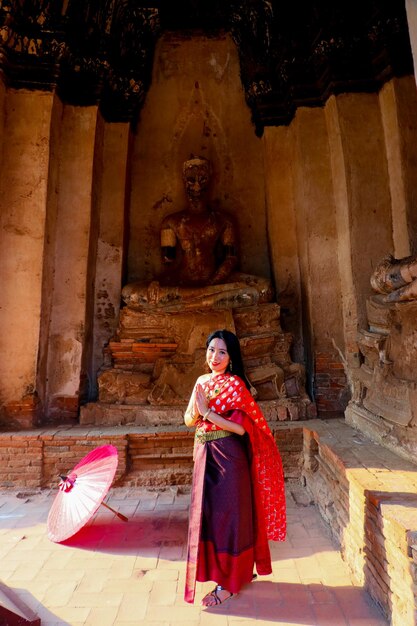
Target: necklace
(214, 388)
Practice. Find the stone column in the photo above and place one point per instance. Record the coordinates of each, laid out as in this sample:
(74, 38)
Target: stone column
(48, 273)
(2, 118)
(318, 244)
(408, 129)
(411, 10)
(282, 230)
(398, 100)
(363, 202)
(110, 163)
(70, 249)
(23, 198)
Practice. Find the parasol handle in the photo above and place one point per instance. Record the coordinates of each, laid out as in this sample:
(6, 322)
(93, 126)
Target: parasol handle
(119, 515)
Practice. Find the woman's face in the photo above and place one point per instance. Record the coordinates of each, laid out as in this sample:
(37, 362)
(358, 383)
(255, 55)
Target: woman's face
(217, 356)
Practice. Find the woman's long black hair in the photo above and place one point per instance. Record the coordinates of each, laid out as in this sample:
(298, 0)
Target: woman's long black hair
(233, 349)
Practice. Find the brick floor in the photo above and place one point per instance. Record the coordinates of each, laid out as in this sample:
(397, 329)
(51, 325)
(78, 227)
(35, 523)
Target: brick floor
(116, 573)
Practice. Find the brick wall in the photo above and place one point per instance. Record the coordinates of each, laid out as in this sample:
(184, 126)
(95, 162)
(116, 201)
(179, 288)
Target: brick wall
(368, 496)
(36, 460)
(160, 458)
(157, 458)
(64, 408)
(289, 440)
(20, 461)
(331, 391)
(60, 454)
(24, 413)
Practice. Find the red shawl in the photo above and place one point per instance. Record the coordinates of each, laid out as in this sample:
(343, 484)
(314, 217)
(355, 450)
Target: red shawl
(228, 393)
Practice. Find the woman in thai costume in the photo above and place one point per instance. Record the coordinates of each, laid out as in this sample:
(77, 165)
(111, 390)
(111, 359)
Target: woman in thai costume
(238, 498)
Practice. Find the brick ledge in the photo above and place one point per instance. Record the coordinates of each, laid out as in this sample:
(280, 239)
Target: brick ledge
(368, 496)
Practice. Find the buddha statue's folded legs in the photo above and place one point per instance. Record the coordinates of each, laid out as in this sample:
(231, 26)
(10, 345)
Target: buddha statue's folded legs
(243, 290)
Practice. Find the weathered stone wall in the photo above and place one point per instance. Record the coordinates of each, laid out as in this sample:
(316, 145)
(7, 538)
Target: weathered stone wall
(109, 201)
(2, 118)
(340, 196)
(49, 252)
(318, 203)
(384, 399)
(282, 230)
(398, 101)
(66, 336)
(23, 199)
(302, 231)
(195, 105)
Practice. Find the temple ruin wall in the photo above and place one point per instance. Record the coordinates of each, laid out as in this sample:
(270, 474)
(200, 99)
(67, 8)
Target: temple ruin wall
(318, 203)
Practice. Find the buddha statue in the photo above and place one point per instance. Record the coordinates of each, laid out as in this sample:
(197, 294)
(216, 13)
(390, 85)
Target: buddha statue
(157, 348)
(199, 255)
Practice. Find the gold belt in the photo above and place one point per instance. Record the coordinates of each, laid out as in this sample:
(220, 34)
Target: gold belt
(211, 435)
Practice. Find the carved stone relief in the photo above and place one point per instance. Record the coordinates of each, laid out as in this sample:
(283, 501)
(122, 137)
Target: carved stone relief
(385, 385)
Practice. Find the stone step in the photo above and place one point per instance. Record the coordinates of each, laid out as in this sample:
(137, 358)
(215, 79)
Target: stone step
(152, 455)
(158, 478)
(106, 414)
(103, 414)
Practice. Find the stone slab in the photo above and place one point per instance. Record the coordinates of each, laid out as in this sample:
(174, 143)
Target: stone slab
(106, 414)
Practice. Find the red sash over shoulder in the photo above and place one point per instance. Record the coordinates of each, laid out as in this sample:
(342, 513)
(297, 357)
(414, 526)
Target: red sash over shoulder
(228, 393)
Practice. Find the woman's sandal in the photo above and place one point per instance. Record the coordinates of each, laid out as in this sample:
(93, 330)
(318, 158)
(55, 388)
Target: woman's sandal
(214, 594)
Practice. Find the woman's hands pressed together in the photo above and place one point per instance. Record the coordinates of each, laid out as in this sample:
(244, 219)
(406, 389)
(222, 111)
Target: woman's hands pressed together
(201, 407)
(200, 400)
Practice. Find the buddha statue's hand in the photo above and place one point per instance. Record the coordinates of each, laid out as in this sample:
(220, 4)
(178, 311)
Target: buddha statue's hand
(223, 272)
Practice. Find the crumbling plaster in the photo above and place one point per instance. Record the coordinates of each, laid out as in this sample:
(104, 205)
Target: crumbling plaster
(317, 203)
(23, 200)
(196, 105)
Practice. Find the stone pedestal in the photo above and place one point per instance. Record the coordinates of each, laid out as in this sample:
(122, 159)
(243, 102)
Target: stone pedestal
(155, 358)
(384, 401)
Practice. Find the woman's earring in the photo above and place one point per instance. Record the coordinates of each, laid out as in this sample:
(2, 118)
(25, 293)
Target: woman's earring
(230, 365)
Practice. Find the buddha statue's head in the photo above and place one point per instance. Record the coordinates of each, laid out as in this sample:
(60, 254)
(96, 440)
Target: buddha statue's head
(196, 175)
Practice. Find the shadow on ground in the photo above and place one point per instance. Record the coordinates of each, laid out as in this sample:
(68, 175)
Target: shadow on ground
(299, 603)
(138, 534)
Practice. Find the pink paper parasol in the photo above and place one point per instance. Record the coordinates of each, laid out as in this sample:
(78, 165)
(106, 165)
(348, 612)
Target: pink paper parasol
(81, 493)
